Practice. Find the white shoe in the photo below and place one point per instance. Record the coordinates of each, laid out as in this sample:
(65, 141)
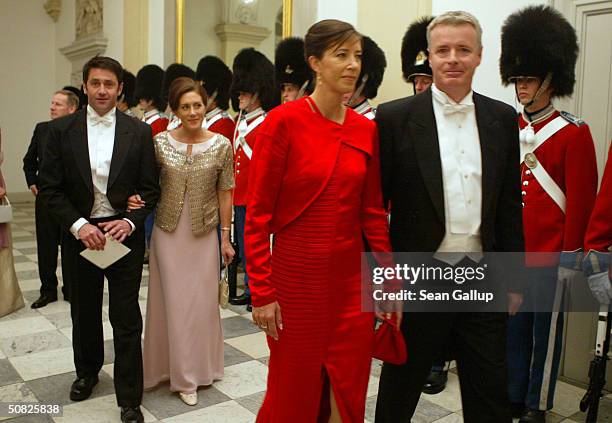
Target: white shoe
(189, 399)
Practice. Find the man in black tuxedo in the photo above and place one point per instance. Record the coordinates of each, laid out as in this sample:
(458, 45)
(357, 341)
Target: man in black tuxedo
(48, 232)
(95, 159)
(450, 169)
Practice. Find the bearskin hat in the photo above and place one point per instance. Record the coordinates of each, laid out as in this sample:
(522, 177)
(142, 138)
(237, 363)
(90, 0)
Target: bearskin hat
(149, 85)
(414, 50)
(373, 64)
(215, 77)
(537, 40)
(129, 84)
(175, 70)
(79, 93)
(254, 73)
(291, 66)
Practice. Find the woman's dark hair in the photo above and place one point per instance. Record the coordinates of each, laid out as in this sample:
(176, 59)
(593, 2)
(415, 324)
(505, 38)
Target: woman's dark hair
(326, 34)
(103, 62)
(181, 86)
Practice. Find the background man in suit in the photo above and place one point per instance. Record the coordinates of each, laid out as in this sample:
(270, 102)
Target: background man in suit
(450, 168)
(95, 159)
(48, 232)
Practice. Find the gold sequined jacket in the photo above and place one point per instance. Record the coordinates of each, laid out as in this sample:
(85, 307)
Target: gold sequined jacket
(199, 176)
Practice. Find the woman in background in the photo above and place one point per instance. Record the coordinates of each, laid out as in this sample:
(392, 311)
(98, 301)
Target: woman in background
(10, 294)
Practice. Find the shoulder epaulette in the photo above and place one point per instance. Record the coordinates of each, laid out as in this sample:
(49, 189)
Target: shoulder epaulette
(572, 119)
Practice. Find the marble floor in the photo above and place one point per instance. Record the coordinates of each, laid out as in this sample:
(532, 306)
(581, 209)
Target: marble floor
(36, 365)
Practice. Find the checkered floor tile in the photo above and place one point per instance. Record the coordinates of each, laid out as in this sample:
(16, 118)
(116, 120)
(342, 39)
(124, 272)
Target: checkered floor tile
(36, 364)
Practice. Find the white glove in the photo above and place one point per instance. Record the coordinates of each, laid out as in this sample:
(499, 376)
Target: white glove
(601, 287)
(569, 276)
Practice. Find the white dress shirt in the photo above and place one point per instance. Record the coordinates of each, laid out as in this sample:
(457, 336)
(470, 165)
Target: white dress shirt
(461, 160)
(100, 143)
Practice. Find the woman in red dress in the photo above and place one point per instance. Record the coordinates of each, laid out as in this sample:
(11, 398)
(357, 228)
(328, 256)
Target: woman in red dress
(316, 187)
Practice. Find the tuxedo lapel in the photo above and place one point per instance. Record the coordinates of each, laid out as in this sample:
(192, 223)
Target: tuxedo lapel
(122, 142)
(78, 140)
(488, 131)
(424, 135)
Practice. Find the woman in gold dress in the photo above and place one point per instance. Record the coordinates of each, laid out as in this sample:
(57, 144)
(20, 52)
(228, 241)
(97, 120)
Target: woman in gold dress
(183, 335)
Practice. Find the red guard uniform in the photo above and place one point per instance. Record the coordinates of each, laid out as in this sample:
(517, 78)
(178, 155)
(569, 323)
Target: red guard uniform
(315, 185)
(156, 121)
(568, 157)
(246, 133)
(598, 238)
(219, 121)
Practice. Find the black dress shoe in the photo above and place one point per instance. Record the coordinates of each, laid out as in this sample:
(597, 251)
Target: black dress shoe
(435, 382)
(131, 415)
(43, 300)
(517, 409)
(533, 416)
(249, 308)
(82, 387)
(240, 300)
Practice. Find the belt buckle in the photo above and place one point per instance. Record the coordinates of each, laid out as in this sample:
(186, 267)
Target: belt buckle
(531, 161)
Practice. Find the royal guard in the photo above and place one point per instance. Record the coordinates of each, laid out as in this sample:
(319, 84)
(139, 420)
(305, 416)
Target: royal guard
(148, 95)
(175, 70)
(415, 62)
(598, 240)
(216, 78)
(126, 100)
(559, 184)
(373, 64)
(292, 73)
(253, 86)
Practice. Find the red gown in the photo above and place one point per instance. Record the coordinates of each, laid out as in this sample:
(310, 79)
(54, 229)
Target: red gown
(316, 186)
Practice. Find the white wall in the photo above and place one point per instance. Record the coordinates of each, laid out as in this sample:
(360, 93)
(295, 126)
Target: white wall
(344, 10)
(491, 16)
(200, 38)
(387, 30)
(156, 32)
(64, 35)
(113, 29)
(27, 46)
(266, 17)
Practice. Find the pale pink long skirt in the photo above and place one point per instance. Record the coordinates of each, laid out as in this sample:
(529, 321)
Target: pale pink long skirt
(183, 335)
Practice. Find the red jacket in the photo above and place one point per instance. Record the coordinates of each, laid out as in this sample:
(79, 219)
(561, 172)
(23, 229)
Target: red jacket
(224, 126)
(296, 152)
(598, 238)
(569, 158)
(156, 121)
(242, 162)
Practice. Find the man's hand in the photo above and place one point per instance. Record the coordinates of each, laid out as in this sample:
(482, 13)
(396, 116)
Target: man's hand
(514, 303)
(34, 190)
(134, 202)
(2, 193)
(118, 229)
(92, 237)
(268, 318)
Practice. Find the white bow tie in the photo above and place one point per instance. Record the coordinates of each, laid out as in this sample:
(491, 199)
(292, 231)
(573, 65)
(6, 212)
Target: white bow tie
(104, 120)
(450, 109)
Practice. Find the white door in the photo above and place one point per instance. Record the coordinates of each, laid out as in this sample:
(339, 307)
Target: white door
(592, 101)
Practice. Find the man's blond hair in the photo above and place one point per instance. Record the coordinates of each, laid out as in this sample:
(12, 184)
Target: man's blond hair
(456, 18)
(71, 99)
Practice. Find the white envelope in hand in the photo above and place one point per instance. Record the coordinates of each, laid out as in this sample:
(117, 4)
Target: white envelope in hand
(112, 252)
